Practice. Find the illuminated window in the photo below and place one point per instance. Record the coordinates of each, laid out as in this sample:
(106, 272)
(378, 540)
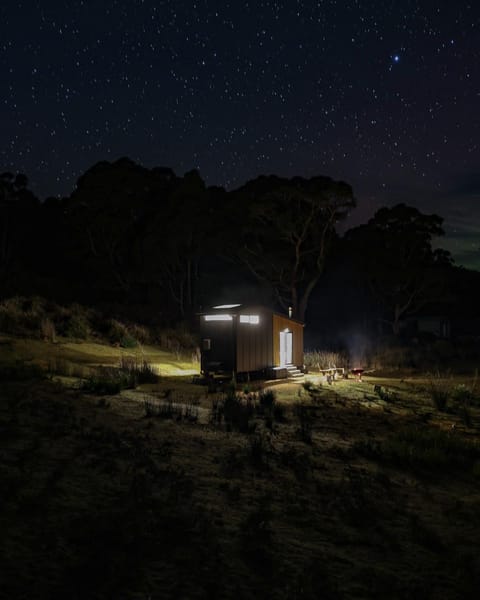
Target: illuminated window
(252, 319)
(218, 317)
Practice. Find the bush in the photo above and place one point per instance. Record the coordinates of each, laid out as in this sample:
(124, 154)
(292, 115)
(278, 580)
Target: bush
(180, 341)
(168, 409)
(20, 371)
(237, 413)
(109, 381)
(77, 327)
(142, 372)
(234, 412)
(315, 360)
(256, 537)
(47, 329)
(305, 420)
(266, 400)
(22, 316)
(426, 449)
(258, 448)
(439, 393)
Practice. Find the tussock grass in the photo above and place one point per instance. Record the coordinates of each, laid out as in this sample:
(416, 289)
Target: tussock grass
(429, 449)
(315, 360)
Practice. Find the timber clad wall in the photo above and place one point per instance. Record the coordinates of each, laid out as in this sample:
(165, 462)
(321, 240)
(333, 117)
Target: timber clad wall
(254, 343)
(281, 323)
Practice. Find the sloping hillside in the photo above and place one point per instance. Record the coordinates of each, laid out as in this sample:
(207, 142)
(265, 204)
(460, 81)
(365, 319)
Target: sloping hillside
(337, 492)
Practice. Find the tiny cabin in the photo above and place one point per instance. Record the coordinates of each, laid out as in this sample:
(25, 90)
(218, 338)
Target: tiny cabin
(243, 340)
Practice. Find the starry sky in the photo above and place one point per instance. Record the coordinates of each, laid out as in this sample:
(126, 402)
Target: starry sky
(382, 94)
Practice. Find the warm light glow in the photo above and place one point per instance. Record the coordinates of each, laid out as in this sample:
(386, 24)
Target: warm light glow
(252, 319)
(218, 317)
(227, 306)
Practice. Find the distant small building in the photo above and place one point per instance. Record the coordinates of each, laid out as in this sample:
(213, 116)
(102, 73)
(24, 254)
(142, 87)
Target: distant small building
(250, 340)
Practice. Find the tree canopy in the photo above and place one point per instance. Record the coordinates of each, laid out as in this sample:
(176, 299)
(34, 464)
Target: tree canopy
(289, 230)
(394, 253)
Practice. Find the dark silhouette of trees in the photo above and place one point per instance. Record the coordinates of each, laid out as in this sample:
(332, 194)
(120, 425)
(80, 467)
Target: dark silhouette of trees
(289, 230)
(18, 216)
(129, 236)
(393, 252)
(144, 233)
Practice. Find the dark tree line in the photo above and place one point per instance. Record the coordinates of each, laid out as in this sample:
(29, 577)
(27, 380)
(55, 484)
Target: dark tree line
(146, 238)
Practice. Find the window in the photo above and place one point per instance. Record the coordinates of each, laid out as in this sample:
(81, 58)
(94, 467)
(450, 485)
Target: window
(251, 319)
(218, 317)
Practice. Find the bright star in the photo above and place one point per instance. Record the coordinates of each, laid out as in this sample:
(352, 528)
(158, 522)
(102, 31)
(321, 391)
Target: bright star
(396, 58)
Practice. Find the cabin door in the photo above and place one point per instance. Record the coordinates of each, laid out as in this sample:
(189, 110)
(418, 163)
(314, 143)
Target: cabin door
(286, 348)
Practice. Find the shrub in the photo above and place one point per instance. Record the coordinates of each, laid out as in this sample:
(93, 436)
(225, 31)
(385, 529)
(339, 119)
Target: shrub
(22, 316)
(425, 449)
(234, 412)
(20, 371)
(237, 413)
(180, 341)
(77, 326)
(266, 400)
(141, 371)
(384, 394)
(462, 394)
(299, 462)
(47, 329)
(305, 421)
(256, 537)
(439, 394)
(109, 381)
(258, 448)
(313, 390)
(315, 360)
(168, 409)
(139, 333)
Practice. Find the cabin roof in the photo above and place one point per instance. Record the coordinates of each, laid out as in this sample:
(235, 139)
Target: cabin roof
(236, 308)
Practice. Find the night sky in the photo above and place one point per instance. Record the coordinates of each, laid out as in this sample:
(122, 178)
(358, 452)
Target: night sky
(383, 94)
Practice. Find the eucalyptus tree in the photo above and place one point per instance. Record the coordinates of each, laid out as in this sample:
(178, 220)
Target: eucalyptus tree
(393, 252)
(288, 232)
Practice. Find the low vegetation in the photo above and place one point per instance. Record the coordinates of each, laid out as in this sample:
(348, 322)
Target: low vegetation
(119, 481)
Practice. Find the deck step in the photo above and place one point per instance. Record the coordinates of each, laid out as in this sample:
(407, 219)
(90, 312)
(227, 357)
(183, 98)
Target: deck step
(293, 372)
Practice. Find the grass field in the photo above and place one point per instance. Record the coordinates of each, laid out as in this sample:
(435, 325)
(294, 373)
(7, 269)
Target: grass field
(163, 490)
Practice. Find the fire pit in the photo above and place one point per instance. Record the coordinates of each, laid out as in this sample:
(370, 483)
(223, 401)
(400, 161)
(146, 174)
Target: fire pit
(358, 373)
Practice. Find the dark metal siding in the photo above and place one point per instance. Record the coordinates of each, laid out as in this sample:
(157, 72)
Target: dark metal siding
(221, 356)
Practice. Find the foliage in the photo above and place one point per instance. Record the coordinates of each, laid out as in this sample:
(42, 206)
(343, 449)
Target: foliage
(407, 274)
(141, 370)
(315, 360)
(20, 371)
(290, 231)
(234, 411)
(305, 421)
(169, 409)
(109, 381)
(439, 393)
(427, 449)
(384, 394)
